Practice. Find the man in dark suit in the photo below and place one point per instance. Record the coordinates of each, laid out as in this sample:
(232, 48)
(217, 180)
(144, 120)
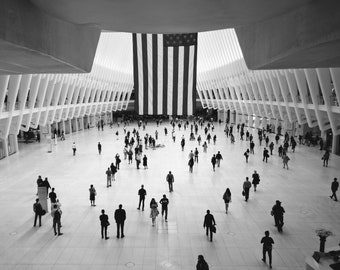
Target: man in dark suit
(37, 208)
(142, 194)
(209, 222)
(104, 222)
(120, 217)
(57, 220)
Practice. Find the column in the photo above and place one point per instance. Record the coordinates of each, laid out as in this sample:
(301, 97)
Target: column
(336, 145)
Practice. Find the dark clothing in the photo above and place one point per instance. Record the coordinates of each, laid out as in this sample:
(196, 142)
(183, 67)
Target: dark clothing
(142, 194)
(246, 187)
(265, 155)
(277, 212)
(334, 188)
(202, 265)
(52, 196)
(170, 179)
(164, 202)
(267, 247)
(120, 217)
(209, 221)
(37, 208)
(104, 222)
(256, 180)
(56, 222)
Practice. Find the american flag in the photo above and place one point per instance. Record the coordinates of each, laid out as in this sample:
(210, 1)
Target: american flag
(165, 73)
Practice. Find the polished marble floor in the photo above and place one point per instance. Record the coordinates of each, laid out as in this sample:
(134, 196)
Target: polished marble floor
(304, 190)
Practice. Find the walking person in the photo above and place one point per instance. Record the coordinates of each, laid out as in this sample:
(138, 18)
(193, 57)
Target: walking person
(271, 147)
(104, 223)
(183, 143)
(285, 160)
(170, 179)
(267, 242)
(256, 180)
(108, 177)
(120, 216)
(252, 146)
(93, 194)
(218, 158)
(154, 211)
(164, 202)
(99, 148)
(209, 223)
(57, 220)
(38, 212)
(246, 154)
(325, 158)
(265, 155)
(141, 194)
(334, 188)
(74, 148)
(246, 188)
(213, 162)
(145, 162)
(277, 212)
(191, 164)
(205, 147)
(196, 155)
(201, 263)
(227, 199)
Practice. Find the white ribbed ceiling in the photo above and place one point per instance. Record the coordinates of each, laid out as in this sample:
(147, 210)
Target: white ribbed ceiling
(217, 49)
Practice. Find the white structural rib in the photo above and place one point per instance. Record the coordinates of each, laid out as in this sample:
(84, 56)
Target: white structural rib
(310, 96)
(65, 100)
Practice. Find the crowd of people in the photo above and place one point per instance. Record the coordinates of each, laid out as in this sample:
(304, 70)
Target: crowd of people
(133, 144)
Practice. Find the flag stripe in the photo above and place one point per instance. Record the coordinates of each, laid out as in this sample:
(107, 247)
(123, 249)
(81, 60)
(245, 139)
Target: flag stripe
(135, 69)
(145, 74)
(185, 80)
(160, 74)
(180, 80)
(150, 73)
(175, 81)
(155, 72)
(165, 80)
(190, 80)
(170, 78)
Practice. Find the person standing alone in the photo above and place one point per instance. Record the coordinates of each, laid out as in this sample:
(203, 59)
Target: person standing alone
(267, 242)
(74, 148)
(120, 216)
(141, 194)
(170, 179)
(99, 148)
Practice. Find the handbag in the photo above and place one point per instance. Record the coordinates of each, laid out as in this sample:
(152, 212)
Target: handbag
(108, 224)
(243, 193)
(213, 228)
